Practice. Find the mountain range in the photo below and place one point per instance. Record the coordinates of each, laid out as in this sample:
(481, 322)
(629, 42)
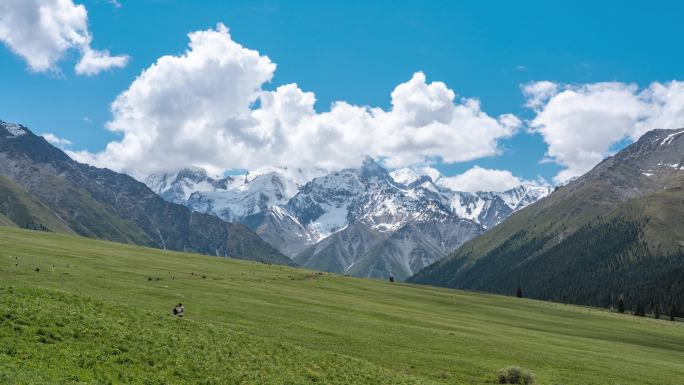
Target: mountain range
(617, 232)
(613, 234)
(44, 189)
(360, 221)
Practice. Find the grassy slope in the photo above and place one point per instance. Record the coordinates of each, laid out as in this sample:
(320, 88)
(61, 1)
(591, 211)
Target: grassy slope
(447, 336)
(609, 191)
(84, 214)
(23, 209)
(54, 338)
(665, 210)
(556, 218)
(4, 221)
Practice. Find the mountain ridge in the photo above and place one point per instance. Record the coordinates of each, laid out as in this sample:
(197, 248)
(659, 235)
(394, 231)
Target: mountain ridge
(615, 231)
(101, 203)
(335, 219)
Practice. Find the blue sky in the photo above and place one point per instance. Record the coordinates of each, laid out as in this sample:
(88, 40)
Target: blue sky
(358, 51)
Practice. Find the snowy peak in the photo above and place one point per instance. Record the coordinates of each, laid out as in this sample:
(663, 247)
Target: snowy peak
(232, 198)
(523, 195)
(405, 176)
(364, 220)
(295, 176)
(410, 175)
(370, 169)
(322, 205)
(178, 187)
(13, 130)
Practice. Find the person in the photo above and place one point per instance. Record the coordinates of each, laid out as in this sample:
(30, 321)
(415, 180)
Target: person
(179, 310)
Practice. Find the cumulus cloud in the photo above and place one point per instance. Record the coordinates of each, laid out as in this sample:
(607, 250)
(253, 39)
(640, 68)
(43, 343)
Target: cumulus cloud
(56, 140)
(42, 31)
(580, 123)
(93, 62)
(208, 108)
(483, 179)
(408, 175)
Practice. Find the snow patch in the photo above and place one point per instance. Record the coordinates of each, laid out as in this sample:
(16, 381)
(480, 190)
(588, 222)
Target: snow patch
(404, 176)
(14, 129)
(333, 220)
(670, 138)
(409, 175)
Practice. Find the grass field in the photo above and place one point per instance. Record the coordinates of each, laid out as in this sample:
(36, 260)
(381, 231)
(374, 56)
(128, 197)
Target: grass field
(98, 312)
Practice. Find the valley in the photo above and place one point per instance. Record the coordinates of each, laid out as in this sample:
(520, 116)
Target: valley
(283, 323)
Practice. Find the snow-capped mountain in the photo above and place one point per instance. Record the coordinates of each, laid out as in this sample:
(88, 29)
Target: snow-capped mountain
(231, 198)
(362, 221)
(487, 208)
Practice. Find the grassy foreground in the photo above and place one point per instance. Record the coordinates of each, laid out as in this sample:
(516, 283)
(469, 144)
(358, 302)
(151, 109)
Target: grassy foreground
(98, 312)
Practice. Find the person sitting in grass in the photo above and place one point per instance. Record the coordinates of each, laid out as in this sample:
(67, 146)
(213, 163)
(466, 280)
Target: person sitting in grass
(179, 310)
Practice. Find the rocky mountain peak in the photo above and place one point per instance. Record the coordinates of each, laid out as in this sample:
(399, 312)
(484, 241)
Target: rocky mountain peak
(343, 215)
(372, 169)
(13, 130)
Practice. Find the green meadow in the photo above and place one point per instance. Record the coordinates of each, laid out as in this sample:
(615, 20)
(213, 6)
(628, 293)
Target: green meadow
(81, 311)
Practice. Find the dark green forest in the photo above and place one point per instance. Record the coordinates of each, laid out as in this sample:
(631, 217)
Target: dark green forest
(596, 265)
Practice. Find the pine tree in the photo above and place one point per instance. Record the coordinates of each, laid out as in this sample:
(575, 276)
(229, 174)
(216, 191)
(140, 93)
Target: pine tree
(640, 311)
(520, 293)
(672, 318)
(656, 311)
(621, 305)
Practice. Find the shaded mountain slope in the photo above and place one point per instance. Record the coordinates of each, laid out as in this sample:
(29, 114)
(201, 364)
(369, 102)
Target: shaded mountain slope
(100, 203)
(19, 208)
(413, 247)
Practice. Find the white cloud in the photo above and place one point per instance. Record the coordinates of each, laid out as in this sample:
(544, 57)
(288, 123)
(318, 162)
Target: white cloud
(473, 180)
(56, 140)
(580, 123)
(483, 179)
(198, 109)
(539, 92)
(408, 175)
(93, 62)
(42, 31)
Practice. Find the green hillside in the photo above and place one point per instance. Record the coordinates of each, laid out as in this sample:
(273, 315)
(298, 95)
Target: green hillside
(42, 188)
(43, 342)
(98, 312)
(615, 232)
(21, 209)
(4, 221)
